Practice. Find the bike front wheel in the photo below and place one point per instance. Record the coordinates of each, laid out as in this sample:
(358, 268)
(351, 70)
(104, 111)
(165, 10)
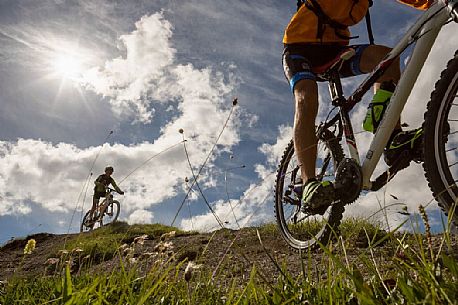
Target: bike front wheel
(304, 229)
(111, 213)
(441, 140)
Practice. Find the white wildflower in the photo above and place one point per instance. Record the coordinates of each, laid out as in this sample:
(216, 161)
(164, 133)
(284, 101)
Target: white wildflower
(140, 239)
(168, 235)
(189, 269)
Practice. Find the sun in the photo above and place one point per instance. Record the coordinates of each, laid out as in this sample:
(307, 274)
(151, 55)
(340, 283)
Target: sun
(67, 66)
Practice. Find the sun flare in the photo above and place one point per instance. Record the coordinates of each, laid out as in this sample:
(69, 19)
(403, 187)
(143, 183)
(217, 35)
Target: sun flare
(67, 66)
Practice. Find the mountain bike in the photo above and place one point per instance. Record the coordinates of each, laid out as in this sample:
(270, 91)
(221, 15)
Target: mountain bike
(106, 212)
(305, 228)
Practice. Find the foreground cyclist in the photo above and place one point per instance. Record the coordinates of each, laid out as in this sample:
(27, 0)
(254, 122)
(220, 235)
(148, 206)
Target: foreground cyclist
(316, 35)
(100, 190)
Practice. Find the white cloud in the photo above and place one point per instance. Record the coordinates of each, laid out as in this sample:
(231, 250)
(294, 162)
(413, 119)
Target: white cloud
(442, 51)
(141, 217)
(53, 175)
(253, 207)
(256, 204)
(148, 74)
(126, 81)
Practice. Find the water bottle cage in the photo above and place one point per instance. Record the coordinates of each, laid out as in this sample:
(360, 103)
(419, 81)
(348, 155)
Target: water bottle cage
(374, 115)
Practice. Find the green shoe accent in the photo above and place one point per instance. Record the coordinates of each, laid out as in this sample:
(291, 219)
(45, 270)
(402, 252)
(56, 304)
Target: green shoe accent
(417, 134)
(309, 189)
(405, 142)
(318, 194)
(376, 110)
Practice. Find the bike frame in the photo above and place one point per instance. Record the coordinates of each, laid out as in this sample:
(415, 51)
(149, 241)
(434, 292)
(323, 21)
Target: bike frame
(105, 203)
(424, 32)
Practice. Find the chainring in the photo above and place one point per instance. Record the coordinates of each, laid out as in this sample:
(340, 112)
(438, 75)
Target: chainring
(349, 180)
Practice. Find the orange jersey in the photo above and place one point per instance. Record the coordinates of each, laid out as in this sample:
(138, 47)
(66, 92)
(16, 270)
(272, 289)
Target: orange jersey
(303, 27)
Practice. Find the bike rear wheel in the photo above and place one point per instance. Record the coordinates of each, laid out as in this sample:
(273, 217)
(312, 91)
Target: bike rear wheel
(86, 224)
(111, 213)
(441, 140)
(305, 230)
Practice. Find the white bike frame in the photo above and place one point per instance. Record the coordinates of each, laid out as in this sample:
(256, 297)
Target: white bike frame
(427, 27)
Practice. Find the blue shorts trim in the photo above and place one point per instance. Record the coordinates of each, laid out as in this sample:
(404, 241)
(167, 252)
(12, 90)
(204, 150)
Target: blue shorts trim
(354, 64)
(300, 76)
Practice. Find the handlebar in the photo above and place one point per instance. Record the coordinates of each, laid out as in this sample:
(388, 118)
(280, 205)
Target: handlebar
(110, 190)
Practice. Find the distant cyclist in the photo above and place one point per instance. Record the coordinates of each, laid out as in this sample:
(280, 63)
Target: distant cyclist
(100, 189)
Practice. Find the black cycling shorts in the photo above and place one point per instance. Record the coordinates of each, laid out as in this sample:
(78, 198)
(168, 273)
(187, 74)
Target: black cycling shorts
(97, 195)
(300, 59)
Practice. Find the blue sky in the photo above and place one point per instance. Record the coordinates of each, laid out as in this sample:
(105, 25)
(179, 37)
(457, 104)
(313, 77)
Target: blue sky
(72, 71)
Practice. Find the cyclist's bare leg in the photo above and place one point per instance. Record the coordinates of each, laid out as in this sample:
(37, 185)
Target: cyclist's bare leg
(306, 98)
(371, 57)
(304, 138)
(95, 203)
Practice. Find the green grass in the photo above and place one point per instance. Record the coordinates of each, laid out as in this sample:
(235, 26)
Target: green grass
(102, 244)
(421, 275)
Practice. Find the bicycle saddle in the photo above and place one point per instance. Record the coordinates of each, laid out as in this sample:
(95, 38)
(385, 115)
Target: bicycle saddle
(336, 63)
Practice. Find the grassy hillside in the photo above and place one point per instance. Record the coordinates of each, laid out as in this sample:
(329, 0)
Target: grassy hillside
(155, 264)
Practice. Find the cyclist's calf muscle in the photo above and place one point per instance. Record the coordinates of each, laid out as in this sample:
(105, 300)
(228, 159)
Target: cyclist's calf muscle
(306, 98)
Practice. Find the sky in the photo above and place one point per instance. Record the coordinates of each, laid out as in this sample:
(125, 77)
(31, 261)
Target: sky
(89, 83)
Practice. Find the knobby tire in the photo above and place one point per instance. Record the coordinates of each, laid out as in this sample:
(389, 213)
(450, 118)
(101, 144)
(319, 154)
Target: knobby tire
(301, 241)
(441, 141)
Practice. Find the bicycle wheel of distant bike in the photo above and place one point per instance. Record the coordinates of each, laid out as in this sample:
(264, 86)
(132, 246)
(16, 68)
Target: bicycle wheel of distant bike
(111, 213)
(86, 224)
(301, 228)
(441, 140)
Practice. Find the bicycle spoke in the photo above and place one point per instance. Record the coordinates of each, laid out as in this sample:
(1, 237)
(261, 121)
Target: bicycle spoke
(453, 164)
(451, 149)
(324, 166)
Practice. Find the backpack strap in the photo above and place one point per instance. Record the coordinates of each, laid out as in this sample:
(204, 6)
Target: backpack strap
(369, 24)
(299, 4)
(324, 19)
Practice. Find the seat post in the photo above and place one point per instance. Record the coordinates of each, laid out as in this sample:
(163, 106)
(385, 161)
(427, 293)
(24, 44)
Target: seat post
(338, 99)
(335, 89)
